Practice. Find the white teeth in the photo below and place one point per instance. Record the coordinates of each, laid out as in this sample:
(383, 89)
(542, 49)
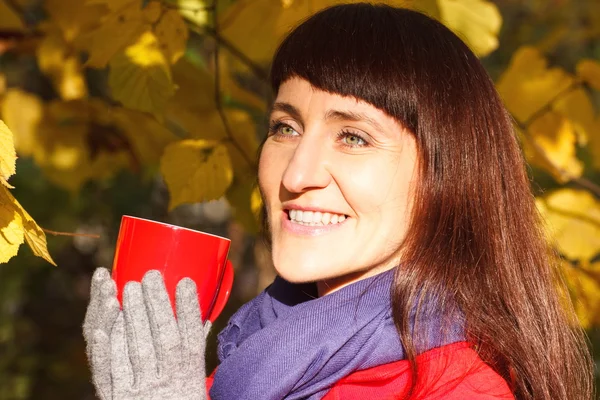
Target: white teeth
(307, 216)
(315, 218)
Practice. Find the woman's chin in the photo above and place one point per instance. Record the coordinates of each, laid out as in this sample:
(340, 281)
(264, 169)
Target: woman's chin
(301, 273)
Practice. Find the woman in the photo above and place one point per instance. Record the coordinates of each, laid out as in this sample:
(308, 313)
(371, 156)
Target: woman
(410, 257)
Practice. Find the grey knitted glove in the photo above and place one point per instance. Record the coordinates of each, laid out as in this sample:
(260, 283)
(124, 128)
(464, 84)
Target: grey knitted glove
(100, 318)
(151, 355)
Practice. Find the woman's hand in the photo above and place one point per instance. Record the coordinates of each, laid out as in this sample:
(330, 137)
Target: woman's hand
(144, 352)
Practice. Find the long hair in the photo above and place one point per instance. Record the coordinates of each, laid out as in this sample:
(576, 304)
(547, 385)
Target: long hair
(475, 235)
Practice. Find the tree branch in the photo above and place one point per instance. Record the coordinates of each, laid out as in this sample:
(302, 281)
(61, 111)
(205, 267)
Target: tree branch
(565, 175)
(218, 101)
(576, 85)
(256, 69)
(55, 233)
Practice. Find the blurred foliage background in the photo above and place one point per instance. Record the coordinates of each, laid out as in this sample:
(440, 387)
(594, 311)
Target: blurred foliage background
(156, 109)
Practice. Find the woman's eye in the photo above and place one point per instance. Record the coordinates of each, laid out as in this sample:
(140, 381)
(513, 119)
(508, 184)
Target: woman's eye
(353, 140)
(282, 129)
(287, 130)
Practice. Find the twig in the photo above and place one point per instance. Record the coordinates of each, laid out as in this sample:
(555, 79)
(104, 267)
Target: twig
(542, 110)
(567, 176)
(55, 233)
(256, 69)
(12, 4)
(218, 98)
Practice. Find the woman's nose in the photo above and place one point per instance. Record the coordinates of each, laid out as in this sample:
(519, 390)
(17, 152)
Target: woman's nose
(307, 168)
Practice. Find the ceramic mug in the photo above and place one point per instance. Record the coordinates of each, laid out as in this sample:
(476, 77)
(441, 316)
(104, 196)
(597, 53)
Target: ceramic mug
(176, 252)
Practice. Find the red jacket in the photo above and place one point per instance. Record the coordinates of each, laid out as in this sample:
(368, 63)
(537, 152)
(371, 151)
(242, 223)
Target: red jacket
(451, 372)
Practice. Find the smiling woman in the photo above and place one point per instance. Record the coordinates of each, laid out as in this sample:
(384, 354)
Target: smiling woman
(411, 262)
(336, 176)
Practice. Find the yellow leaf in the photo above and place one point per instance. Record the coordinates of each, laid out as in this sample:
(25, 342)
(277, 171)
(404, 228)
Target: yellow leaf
(147, 137)
(194, 11)
(244, 198)
(74, 17)
(116, 5)
(152, 12)
(193, 110)
(577, 107)
(140, 76)
(172, 34)
(58, 61)
(554, 135)
(232, 91)
(527, 86)
(20, 227)
(477, 22)
(79, 141)
(22, 112)
(116, 31)
(589, 71)
(34, 235)
(573, 221)
(258, 26)
(8, 155)
(196, 171)
(11, 227)
(9, 20)
(594, 144)
(584, 285)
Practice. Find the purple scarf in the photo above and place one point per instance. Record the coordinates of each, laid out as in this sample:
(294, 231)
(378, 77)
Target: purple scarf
(288, 344)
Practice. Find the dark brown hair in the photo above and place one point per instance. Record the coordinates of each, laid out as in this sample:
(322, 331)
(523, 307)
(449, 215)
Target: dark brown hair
(475, 235)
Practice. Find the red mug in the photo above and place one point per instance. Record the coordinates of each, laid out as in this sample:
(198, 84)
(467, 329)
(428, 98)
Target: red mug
(177, 253)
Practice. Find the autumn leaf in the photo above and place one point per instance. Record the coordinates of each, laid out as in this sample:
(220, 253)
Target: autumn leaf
(477, 22)
(140, 76)
(528, 85)
(22, 112)
(73, 18)
(196, 171)
(594, 144)
(194, 11)
(78, 142)
(58, 61)
(172, 34)
(15, 225)
(11, 228)
(573, 222)
(146, 136)
(583, 282)
(589, 71)
(8, 155)
(9, 20)
(116, 31)
(245, 201)
(153, 11)
(577, 107)
(552, 144)
(258, 26)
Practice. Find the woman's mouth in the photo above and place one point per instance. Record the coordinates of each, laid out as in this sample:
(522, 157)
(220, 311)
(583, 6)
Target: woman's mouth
(314, 218)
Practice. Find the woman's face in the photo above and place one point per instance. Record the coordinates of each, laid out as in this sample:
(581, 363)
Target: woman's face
(336, 176)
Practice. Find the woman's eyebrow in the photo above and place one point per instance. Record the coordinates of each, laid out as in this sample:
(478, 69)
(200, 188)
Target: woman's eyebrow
(288, 109)
(353, 116)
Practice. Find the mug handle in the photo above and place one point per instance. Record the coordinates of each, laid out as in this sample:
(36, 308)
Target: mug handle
(224, 292)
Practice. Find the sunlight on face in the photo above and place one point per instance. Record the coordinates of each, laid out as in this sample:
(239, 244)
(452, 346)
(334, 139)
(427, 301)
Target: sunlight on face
(336, 175)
